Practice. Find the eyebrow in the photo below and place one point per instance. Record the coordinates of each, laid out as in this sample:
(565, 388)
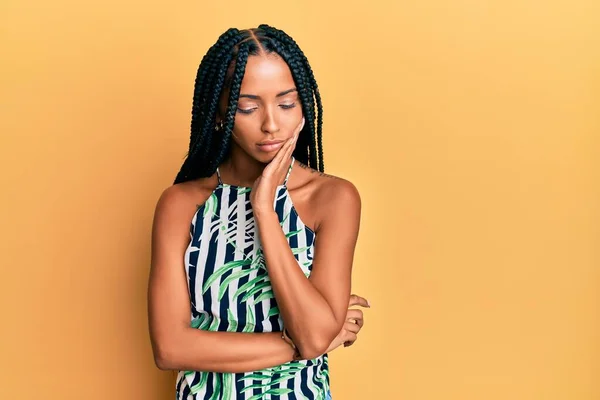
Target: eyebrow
(255, 97)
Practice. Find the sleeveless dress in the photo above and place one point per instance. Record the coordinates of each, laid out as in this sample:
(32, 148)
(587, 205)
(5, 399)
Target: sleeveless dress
(230, 291)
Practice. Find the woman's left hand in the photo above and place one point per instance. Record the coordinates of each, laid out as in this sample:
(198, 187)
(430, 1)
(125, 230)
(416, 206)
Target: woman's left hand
(352, 325)
(262, 195)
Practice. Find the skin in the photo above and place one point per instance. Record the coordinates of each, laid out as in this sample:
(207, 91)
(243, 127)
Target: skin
(316, 311)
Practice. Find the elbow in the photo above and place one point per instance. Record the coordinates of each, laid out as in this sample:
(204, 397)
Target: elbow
(162, 363)
(311, 352)
(316, 345)
(164, 357)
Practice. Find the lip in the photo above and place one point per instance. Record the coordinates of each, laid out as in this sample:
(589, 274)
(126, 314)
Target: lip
(268, 146)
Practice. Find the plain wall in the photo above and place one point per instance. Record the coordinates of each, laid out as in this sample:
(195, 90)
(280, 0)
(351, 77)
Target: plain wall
(470, 128)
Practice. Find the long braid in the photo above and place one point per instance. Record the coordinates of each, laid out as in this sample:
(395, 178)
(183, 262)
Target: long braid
(236, 84)
(205, 72)
(215, 77)
(215, 74)
(202, 111)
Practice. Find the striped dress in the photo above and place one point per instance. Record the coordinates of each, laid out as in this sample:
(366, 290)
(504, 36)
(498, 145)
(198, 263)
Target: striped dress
(230, 291)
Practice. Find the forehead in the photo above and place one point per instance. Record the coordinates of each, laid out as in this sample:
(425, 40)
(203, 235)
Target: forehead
(265, 75)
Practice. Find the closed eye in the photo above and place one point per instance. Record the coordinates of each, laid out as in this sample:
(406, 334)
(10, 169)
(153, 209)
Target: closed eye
(251, 110)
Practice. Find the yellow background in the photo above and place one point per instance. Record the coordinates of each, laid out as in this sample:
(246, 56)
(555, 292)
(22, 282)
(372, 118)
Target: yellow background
(471, 129)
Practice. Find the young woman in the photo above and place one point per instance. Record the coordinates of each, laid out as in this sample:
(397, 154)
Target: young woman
(252, 246)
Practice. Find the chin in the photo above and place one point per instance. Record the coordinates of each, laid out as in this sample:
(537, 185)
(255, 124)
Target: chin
(265, 158)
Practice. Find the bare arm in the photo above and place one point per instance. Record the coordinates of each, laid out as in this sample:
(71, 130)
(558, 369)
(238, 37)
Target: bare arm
(175, 344)
(314, 309)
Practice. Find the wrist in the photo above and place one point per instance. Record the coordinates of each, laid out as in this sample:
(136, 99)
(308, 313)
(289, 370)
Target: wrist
(264, 215)
(296, 353)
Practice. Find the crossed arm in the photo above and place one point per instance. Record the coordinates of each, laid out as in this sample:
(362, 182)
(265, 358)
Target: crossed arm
(313, 309)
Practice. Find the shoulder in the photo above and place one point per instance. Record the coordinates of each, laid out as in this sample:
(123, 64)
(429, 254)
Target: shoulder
(179, 202)
(334, 192)
(332, 197)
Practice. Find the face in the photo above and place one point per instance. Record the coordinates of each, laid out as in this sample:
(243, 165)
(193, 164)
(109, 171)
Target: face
(269, 108)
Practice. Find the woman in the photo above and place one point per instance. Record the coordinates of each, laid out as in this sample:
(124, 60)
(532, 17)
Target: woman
(266, 238)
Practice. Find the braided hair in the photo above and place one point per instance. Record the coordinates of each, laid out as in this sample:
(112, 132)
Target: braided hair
(222, 68)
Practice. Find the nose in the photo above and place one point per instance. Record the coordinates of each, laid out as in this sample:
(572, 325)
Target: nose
(270, 124)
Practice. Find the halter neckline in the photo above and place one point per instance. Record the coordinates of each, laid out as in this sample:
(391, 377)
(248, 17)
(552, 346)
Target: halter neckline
(287, 176)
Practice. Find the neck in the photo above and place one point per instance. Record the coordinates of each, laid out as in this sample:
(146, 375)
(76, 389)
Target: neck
(241, 169)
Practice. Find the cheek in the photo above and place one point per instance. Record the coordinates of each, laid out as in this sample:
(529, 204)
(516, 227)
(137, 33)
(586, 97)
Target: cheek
(292, 119)
(243, 129)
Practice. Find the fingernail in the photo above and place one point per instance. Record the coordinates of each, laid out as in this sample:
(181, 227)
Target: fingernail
(369, 303)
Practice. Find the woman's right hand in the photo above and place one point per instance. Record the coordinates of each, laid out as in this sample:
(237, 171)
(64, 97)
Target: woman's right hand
(352, 325)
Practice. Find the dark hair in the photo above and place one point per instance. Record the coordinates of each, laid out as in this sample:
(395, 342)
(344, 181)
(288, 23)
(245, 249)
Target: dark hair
(222, 67)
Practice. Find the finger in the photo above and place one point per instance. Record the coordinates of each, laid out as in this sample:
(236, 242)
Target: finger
(351, 327)
(349, 343)
(350, 338)
(355, 313)
(356, 300)
(287, 149)
(356, 317)
(285, 152)
(278, 165)
(357, 322)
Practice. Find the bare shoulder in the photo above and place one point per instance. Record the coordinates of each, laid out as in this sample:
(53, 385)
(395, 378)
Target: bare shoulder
(332, 196)
(180, 201)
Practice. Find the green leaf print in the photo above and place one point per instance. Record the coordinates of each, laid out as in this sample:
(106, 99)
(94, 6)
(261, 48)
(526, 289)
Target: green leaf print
(232, 327)
(231, 278)
(214, 324)
(258, 261)
(283, 372)
(314, 388)
(203, 379)
(243, 190)
(250, 320)
(264, 295)
(216, 386)
(255, 290)
(273, 311)
(217, 274)
(322, 378)
(290, 368)
(257, 377)
(196, 322)
(299, 250)
(250, 284)
(280, 379)
(268, 384)
(255, 386)
(293, 233)
(277, 391)
(227, 385)
(284, 218)
(210, 206)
